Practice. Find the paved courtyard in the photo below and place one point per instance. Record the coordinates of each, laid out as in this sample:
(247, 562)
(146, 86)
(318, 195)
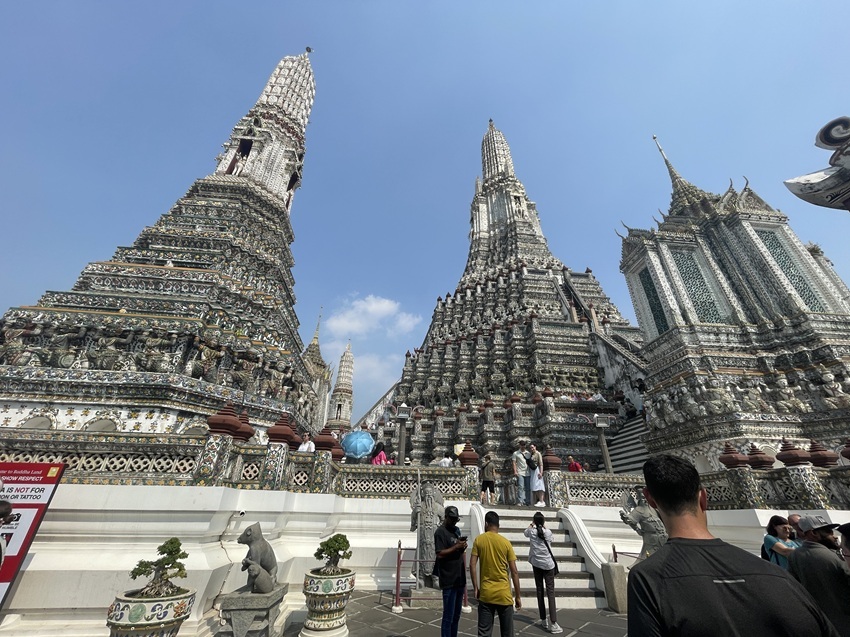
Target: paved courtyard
(370, 615)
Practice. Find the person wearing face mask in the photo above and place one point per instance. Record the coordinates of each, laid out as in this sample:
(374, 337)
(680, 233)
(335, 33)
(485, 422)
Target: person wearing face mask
(817, 566)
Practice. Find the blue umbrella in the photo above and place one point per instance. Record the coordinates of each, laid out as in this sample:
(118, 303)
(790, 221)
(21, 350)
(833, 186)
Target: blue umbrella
(358, 444)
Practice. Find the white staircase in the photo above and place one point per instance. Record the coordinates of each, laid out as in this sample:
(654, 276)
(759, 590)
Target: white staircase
(626, 449)
(574, 586)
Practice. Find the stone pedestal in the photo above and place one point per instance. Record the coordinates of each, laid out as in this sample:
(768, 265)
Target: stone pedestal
(248, 614)
(424, 597)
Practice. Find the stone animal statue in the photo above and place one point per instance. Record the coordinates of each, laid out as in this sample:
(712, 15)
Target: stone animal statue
(259, 580)
(260, 553)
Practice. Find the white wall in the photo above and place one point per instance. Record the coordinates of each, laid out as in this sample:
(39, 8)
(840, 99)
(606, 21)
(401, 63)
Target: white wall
(93, 535)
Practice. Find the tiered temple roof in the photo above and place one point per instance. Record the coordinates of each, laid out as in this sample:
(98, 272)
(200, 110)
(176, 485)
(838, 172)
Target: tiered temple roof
(199, 310)
(518, 324)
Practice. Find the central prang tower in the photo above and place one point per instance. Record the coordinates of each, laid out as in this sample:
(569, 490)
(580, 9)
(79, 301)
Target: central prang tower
(514, 351)
(198, 311)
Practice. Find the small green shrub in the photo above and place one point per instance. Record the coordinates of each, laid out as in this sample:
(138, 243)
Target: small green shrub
(334, 549)
(162, 570)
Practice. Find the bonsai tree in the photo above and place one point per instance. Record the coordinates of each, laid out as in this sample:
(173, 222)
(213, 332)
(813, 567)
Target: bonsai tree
(162, 570)
(334, 549)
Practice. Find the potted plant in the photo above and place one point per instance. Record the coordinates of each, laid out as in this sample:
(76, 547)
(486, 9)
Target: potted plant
(327, 589)
(159, 608)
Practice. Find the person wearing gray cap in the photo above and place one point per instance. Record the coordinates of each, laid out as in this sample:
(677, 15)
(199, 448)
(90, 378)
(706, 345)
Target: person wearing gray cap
(450, 545)
(822, 573)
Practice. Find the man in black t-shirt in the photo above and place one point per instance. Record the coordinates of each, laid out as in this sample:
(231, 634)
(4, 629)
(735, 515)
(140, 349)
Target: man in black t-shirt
(449, 546)
(699, 585)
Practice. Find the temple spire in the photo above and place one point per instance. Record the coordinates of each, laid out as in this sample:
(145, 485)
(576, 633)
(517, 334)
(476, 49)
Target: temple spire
(266, 146)
(496, 154)
(687, 198)
(342, 398)
(318, 325)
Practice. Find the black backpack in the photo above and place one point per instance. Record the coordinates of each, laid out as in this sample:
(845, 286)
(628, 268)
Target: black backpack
(764, 554)
(530, 462)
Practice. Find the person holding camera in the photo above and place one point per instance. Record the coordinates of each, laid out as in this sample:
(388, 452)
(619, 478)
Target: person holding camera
(449, 566)
(545, 569)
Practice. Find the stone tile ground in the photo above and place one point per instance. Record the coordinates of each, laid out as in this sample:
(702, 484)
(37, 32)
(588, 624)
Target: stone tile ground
(370, 615)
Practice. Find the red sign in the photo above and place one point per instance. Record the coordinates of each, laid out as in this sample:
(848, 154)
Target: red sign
(28, 487)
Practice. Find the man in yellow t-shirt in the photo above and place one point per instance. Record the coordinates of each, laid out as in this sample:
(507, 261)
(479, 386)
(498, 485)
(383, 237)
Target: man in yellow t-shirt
(497, 558)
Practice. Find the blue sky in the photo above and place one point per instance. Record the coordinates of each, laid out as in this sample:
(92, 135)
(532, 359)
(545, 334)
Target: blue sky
(109, 111)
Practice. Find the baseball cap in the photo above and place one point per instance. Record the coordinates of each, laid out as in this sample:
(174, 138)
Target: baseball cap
(814, 523)
(451, 512)
(844, 529)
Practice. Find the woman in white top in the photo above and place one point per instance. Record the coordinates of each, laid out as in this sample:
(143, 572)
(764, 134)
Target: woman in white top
(543, 565)
(306, 444)
(538, 488)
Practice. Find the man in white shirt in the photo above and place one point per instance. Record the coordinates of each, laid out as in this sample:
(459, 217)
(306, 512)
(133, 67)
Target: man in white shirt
(306, 444)
(446, 462)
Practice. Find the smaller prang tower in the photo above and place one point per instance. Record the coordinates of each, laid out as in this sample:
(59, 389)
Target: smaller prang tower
(342, 397)
(747, 330)
(198, 311)
(514, 351)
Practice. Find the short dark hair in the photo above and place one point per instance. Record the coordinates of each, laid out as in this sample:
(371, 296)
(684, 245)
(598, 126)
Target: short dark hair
(776, 520)
(673, 483)
(5, 509)
(491, 519)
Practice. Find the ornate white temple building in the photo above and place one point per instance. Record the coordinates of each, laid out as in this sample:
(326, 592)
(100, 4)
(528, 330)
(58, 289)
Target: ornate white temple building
(747, 330)
(197, 312)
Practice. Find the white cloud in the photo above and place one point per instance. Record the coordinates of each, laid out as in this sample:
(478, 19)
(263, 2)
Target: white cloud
(404, 323)
(363, 316)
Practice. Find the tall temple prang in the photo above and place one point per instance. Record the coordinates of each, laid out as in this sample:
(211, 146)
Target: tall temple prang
(747, 330)
(342, 397)
(516, 350)
(198, 311)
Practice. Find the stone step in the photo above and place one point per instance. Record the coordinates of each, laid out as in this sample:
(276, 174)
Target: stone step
(563, 586)
(573, 564)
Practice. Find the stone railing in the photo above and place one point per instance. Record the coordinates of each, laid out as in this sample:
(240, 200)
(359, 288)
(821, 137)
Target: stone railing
(594, 489)
(219, 460)
(364, 481)
(795, 487)
(109, 458)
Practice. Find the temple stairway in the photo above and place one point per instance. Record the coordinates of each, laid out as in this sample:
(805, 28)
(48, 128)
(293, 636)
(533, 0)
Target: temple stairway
(626, 449)
(574, 586)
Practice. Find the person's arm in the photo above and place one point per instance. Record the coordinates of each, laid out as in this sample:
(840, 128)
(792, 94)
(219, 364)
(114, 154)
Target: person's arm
(780, 548)
(515, 578)
(444, 549)
(772, 543)
(513, 462)
(473, 563)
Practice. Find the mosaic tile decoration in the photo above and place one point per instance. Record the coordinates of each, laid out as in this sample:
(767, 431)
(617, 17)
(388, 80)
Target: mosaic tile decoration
(654, 301)
(790, 269)
(698, 290)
